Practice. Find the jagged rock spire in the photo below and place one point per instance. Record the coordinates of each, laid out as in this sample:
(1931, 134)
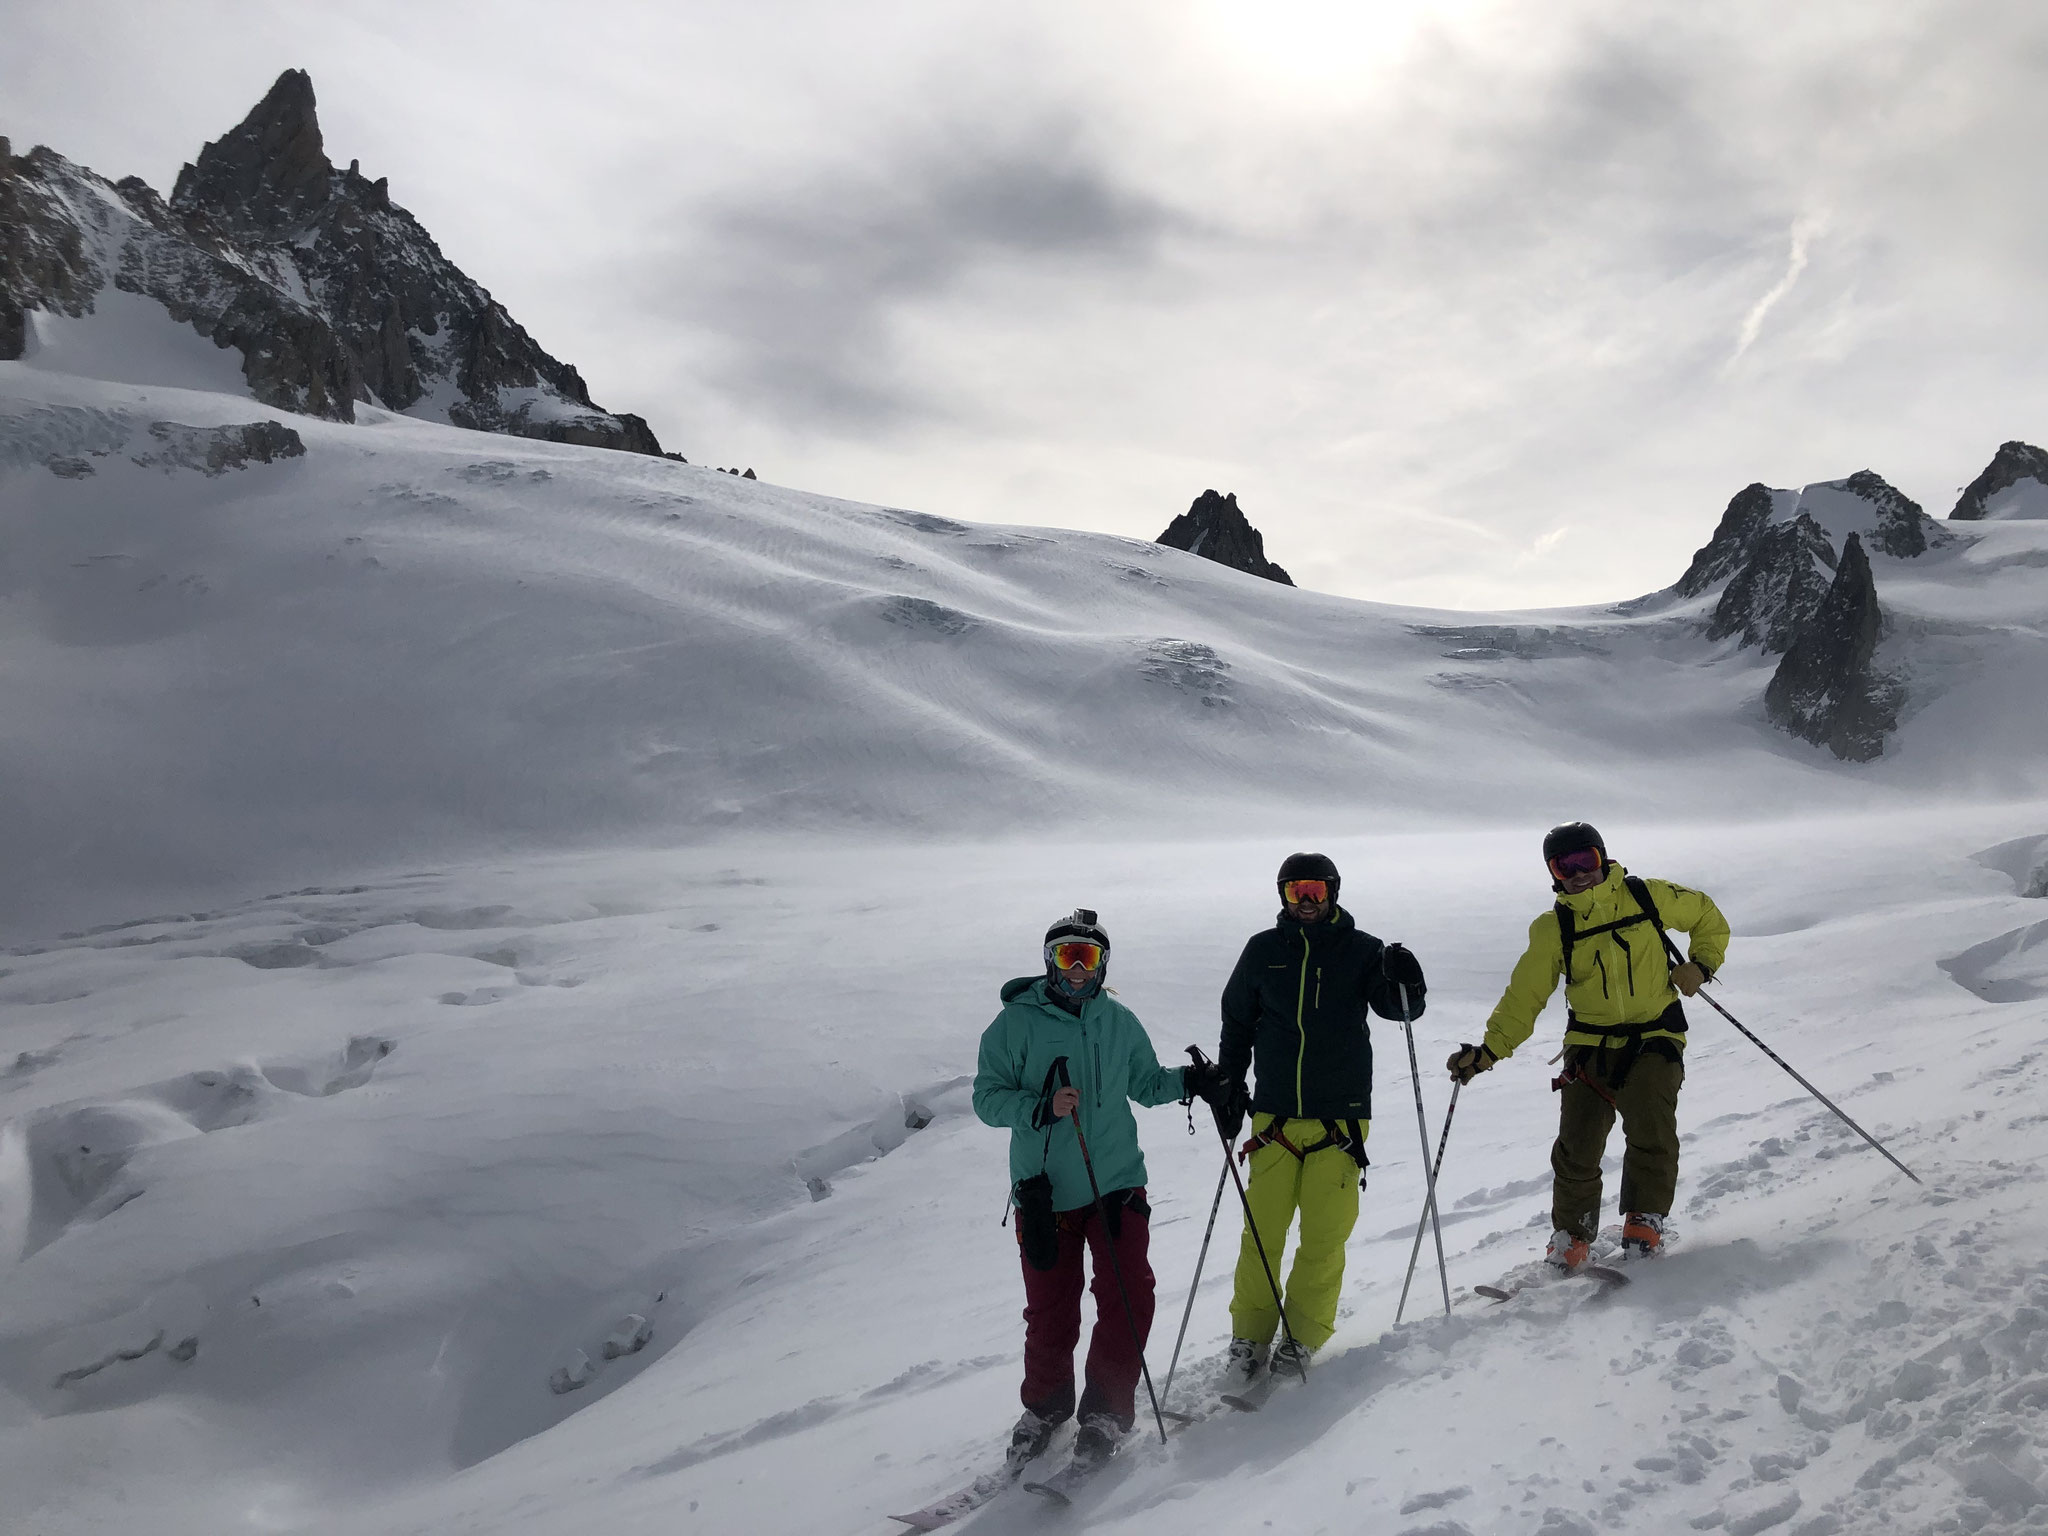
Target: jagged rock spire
(268, 174)
(1216, 529)
(1826, 690)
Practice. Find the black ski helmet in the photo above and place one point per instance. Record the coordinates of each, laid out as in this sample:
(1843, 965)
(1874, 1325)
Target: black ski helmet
(1080, 924)
(1308, 866)
(1570, 838)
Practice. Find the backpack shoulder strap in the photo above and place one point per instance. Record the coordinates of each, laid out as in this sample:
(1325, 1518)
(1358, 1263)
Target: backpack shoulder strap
(1641, 891)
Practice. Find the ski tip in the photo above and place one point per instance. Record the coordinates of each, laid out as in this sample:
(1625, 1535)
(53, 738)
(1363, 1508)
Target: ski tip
(1492, 1292)
(1178, 1418)
(1241, 1404)
(1605, 1275)
(1046, 1490)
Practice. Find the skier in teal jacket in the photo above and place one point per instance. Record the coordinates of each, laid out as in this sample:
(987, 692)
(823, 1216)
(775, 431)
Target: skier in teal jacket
(1060, 1062)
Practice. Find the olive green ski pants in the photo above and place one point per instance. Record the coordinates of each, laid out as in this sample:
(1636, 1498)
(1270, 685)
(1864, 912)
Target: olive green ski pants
(1322, 1189)
(1647, 1102)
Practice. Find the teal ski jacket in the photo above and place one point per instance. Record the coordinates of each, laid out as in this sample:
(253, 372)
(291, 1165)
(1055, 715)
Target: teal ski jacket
(1109, 1059)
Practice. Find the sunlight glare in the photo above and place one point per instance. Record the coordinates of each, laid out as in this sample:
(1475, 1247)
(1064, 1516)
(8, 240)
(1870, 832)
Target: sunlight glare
(1320, 52)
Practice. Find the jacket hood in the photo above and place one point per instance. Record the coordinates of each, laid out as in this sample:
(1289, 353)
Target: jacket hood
(1337, 919)
(1609, 889)
(1012, 990)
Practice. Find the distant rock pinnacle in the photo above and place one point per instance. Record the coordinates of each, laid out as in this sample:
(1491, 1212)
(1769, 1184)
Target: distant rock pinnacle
(1826, 690)
(1216, 529)
(269, 174)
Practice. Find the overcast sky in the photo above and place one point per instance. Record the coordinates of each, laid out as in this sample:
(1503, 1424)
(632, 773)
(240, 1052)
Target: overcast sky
(1472, 304)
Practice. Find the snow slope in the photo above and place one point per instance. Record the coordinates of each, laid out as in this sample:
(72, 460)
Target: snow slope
(650, 846)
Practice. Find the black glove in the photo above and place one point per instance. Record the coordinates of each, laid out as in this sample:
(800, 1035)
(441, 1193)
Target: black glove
(1468, 1061)
(1202, 1080)
(1231, 1108)
(1401, 968)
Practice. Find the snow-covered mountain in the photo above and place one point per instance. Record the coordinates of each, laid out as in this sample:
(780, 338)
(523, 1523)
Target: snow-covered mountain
(576, 1135)
(331, 294)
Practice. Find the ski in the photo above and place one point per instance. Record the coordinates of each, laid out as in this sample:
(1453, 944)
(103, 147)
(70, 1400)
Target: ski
(1061, 1487)
(966, 1500)
(1609, 1279)
(1262, 1387)
(962, 1501)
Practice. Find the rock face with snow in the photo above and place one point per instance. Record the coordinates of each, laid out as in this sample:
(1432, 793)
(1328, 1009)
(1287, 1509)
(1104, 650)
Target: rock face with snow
(1787, 587)
(2014, 484)
(1216, 529)
(1827, 690)
(332, 293)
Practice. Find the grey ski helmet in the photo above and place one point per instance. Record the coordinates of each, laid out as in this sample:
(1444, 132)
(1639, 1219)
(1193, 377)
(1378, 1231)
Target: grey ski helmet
(1080, 924)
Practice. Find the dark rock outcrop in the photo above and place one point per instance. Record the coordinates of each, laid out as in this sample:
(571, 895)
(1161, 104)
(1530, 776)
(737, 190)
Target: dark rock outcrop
(1214, 528)
(332, 293)
(1778, 586)
(216, 450)
(1903, 531)
(1746, 515)
(1827, 689)
(2014, 462)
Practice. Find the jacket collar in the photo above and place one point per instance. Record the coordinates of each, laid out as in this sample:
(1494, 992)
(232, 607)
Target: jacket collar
(1032, 990)
(1336, 920)
(1609, 892)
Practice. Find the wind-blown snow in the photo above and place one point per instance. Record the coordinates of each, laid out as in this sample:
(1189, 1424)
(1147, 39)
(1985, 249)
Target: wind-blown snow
(649, 847)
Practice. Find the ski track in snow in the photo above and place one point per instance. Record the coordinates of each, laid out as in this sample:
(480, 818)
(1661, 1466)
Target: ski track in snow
(621, 1174)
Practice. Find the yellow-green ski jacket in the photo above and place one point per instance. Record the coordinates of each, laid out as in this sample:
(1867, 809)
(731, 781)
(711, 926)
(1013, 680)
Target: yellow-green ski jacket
(1620, 979)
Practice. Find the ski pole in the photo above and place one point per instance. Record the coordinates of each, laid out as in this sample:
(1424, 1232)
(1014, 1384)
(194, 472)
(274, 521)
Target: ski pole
(1429, 1205)
(1251, 1226)
(1166, 1392)
(1672, 950)
(1109, 1238)
(1428, 1173)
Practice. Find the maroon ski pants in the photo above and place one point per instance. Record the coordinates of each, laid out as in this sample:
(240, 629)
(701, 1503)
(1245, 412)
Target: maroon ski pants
(1052, 1315)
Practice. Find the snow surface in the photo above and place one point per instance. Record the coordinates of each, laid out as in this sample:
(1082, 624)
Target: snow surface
(2027, 497)
(649, 846)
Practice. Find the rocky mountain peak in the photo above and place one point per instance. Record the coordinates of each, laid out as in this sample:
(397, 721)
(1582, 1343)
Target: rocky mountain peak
(332, 294)
(267, 175)
(2014, 484)
(1902, 530)
(1748, 511)
(1827, 690)
(1215, 528)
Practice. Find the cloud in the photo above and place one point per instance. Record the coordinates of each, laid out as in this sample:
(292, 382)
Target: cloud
(1804, 230)
(799, 286)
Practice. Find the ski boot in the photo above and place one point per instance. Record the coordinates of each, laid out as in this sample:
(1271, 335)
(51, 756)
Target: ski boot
(1566, 1252)
(1097, 1439)
(1029, 1440)
(1642, 1232)
(1290, 1358)
(1243, 1362)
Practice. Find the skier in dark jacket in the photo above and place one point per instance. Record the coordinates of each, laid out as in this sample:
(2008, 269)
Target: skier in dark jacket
(1294, 1013)
(1060, 1062)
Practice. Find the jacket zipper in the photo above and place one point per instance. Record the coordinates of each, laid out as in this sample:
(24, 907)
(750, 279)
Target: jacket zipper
(1631, 956)
(1301, 1026)
(1319, 988)
(1601, 961)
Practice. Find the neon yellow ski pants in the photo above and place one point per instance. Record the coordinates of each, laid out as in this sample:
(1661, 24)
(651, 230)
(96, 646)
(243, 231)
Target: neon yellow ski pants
(1323, 1188)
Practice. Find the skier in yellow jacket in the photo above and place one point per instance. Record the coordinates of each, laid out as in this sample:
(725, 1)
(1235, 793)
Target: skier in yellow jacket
(1624, 1039)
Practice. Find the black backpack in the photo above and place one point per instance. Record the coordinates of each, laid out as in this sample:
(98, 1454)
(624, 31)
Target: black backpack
(1567, 924)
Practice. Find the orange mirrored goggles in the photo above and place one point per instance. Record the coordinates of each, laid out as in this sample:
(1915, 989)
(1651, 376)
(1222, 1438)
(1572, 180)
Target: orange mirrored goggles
(1068, 953)
(1305, 890)
(1580, 861)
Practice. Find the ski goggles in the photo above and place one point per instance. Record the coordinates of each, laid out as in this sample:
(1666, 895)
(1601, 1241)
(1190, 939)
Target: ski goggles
(1304, 890)
(1580, 861)
(1065, 954)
